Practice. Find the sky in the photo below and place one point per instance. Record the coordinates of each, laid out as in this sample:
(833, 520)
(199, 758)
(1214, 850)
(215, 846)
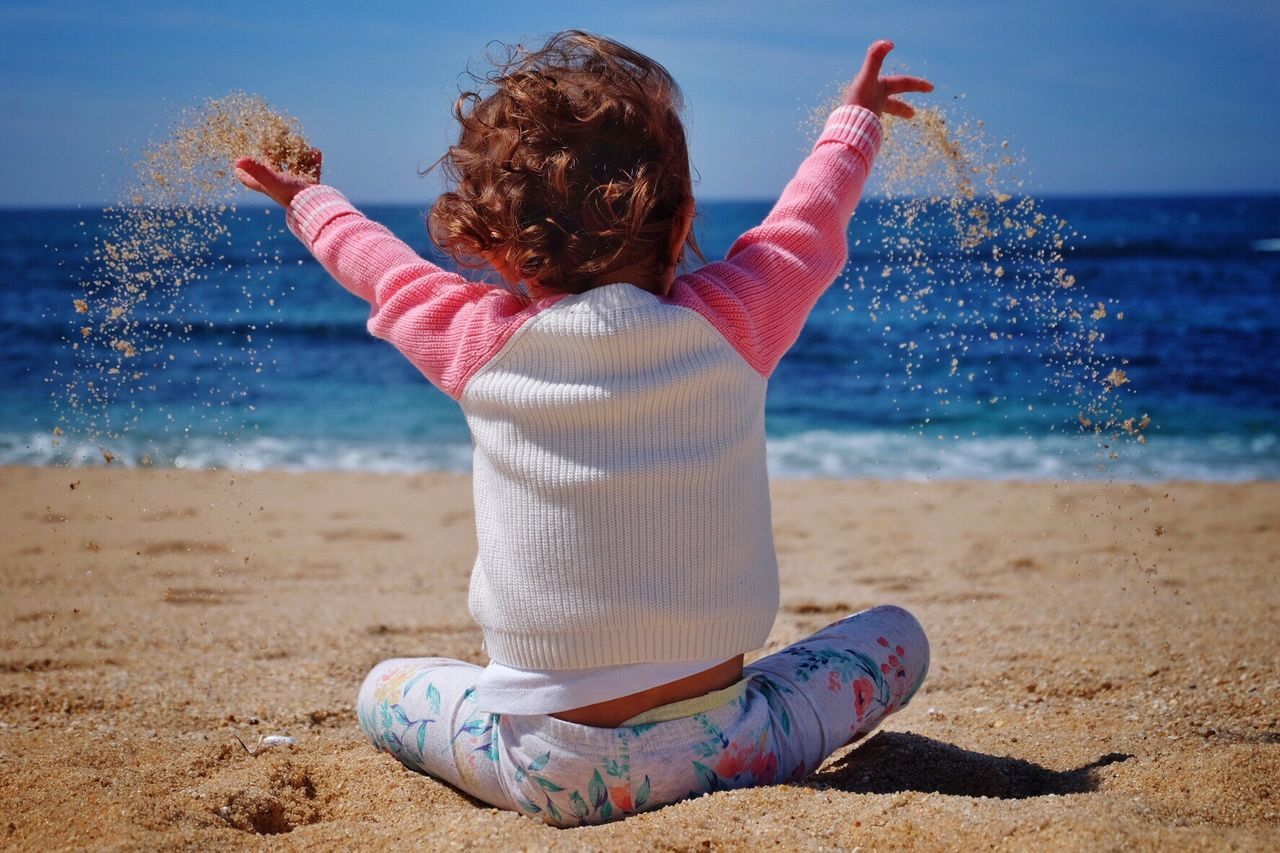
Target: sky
(1117, 97)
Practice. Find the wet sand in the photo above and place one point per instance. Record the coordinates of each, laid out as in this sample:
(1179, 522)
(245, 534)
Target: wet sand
(1106, 665)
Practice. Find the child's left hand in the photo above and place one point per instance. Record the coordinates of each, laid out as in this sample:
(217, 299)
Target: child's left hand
(281, 187)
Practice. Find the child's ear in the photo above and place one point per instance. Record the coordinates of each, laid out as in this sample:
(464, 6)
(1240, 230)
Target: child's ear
(498, 260)
(680, 232)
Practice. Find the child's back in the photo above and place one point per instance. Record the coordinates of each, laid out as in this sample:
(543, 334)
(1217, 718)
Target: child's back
(622, 504)
(625, 555)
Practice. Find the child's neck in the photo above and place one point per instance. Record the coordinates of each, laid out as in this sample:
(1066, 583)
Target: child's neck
(640, 275)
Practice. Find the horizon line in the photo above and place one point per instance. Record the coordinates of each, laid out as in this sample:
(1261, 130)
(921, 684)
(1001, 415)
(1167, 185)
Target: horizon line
(1134, 195)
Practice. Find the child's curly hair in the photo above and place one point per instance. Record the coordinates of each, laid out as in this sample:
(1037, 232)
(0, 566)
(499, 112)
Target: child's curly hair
(571, 164)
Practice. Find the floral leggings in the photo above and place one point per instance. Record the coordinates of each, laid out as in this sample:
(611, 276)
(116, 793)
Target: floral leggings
(801, 705)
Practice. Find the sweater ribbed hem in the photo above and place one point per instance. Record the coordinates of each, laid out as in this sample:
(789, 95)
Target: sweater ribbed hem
(857, 127)
(708, 638)
(314, 208)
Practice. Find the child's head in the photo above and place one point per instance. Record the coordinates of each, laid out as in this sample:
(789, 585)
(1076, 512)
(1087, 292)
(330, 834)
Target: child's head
(571, 165)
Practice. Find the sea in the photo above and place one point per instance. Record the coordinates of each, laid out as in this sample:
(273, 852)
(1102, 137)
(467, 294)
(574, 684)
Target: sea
(265, 363)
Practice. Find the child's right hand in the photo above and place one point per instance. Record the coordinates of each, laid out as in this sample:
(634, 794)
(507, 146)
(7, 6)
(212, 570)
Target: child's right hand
(876, 93)
(281, 187)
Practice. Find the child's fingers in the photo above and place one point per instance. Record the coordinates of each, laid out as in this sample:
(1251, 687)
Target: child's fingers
(261, 174)
(900, 83)
(899, 108)
(249, 181)
(875, 57)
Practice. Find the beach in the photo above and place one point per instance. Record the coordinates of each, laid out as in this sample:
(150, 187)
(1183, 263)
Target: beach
(1104, 667)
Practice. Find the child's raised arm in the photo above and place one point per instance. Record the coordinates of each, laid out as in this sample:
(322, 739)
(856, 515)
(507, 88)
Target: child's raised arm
(447, 326)
(760, 295)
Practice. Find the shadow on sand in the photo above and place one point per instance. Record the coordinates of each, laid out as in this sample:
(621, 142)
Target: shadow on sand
(892, 762)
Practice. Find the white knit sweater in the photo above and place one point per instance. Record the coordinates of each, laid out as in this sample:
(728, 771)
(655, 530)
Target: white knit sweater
(622, 503)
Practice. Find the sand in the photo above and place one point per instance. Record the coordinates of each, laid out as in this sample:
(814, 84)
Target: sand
(1105, 666)
(170, 230)
(979, 269)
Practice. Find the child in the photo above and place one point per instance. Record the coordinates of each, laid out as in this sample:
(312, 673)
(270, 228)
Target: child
(625, 556)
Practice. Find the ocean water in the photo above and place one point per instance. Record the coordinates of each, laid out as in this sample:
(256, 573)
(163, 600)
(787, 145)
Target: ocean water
(266, 363)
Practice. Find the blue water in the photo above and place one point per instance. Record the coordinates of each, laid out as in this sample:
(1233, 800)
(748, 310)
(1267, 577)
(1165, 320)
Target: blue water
(266, 363)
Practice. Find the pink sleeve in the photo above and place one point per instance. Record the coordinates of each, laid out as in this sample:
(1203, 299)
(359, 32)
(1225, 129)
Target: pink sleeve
(448, 327)
(760, 295)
